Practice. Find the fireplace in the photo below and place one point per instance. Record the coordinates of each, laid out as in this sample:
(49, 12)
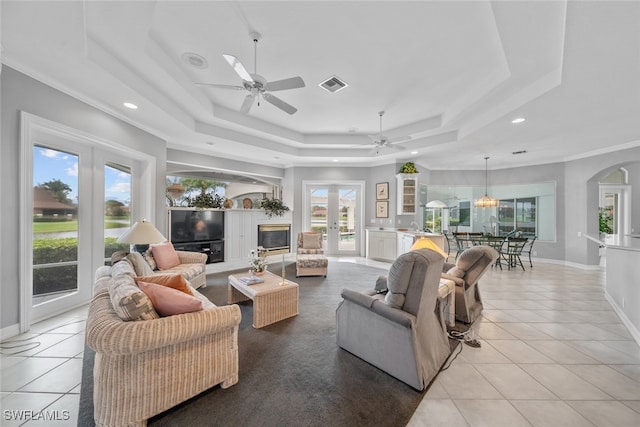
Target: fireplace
(275, 238)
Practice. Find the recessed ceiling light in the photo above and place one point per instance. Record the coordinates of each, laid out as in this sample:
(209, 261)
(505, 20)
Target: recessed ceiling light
(195, 60)
(335, 160)
(518, 120)
(130, 105)
(414, 152)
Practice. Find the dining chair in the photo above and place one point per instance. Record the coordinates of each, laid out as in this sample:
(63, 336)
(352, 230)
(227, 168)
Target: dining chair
(514, 248)
(528, 248)
(499, 244)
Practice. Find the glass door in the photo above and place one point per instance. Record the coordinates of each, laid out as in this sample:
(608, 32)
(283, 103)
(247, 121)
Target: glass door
(335, 210)
(61, 247)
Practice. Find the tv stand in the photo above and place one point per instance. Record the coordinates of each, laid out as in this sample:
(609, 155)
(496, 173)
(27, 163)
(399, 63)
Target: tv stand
(214, 249)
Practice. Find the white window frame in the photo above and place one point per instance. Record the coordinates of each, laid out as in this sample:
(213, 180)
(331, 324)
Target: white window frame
(143, 177)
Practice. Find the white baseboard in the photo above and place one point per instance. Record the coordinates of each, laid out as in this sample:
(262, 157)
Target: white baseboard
(565, 263)
(9, 331)
(630, 326)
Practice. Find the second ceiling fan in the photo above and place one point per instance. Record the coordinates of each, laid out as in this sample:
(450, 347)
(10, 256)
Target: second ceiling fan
(256, 85)
(382, 142)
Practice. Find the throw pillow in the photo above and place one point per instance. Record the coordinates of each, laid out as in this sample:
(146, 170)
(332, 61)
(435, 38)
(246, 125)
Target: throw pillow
(123, 267)
(148, 256)
(169, 302)
(139, 264)
(128, 301)
(118, 256)
(311, 240)
(165, 255)
(174, 281)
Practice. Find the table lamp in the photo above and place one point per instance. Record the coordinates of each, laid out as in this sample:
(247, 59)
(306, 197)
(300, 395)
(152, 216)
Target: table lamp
(426, 243)
(141, 235)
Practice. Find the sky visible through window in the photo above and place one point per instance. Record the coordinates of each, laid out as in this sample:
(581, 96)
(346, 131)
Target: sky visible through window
(51, 164)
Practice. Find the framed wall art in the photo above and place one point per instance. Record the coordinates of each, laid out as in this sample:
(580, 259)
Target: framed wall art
(382, 209)
(382, 191)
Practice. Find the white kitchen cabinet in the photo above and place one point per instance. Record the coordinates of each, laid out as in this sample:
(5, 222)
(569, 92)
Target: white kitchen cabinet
(405, 241)
(407, 193)
(381, 245)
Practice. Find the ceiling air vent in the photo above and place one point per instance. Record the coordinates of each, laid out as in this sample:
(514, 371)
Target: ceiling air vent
(333, 84)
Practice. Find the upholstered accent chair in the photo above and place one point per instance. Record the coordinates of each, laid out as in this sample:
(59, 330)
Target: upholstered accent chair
(310, 259)
(470, 266)
(402, 331)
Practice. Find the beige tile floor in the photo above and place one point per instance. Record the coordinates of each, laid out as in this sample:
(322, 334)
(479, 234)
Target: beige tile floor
(553, 353)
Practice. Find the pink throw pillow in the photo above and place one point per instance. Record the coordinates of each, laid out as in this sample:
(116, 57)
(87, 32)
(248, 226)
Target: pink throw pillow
(168, 301)
(165, 255)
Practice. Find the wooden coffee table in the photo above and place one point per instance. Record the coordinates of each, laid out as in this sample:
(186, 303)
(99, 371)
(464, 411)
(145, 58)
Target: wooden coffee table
(272, 301)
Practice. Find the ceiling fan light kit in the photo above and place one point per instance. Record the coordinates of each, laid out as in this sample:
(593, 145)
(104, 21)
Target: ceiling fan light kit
(256, 85)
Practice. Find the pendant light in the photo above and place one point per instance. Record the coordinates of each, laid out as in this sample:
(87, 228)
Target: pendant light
(486, 201)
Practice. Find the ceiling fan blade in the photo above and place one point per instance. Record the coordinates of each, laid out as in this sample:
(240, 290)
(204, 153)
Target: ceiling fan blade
(238, 67)
(274, 100)
(234, 87)
(247, 103)
(398, 139)
(291, 83)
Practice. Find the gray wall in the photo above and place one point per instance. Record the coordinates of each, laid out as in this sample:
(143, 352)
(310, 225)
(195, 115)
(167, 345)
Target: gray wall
(523, 175)
(581, 215)
(22, 93)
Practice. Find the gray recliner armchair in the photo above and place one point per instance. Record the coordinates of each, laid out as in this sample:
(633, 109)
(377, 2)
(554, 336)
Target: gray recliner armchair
(401, 332)
(470, 266)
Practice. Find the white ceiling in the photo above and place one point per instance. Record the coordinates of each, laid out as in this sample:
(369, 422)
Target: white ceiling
(450, 74)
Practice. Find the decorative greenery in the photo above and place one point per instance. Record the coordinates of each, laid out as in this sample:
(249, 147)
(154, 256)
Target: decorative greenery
(605, 220)
(205, 200)
(273, 207)
(408, 167)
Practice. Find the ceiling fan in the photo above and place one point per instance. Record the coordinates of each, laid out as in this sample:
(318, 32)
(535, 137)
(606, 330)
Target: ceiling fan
(382, 142)
(256, 85)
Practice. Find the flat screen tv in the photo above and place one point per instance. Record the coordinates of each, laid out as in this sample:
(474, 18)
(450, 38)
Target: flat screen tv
(196, 225)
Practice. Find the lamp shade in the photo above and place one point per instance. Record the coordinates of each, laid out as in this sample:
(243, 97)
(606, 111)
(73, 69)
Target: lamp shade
(142, 233)
(426, 243)
(437, 204)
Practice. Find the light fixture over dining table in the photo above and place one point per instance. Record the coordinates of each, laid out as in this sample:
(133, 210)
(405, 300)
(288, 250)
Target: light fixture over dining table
(486, 201)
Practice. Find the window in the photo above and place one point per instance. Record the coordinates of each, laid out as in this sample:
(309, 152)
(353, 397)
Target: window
(117, 207)
(519, 215)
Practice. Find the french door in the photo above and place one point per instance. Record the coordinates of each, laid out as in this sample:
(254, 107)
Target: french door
(335, 209)
(75, 200)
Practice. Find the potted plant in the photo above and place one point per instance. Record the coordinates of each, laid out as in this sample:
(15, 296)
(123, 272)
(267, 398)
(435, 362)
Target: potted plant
(408, 167)
(258, 262)
(273, 207)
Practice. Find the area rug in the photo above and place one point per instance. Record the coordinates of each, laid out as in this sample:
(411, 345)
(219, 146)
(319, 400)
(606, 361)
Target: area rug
(291, 372)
